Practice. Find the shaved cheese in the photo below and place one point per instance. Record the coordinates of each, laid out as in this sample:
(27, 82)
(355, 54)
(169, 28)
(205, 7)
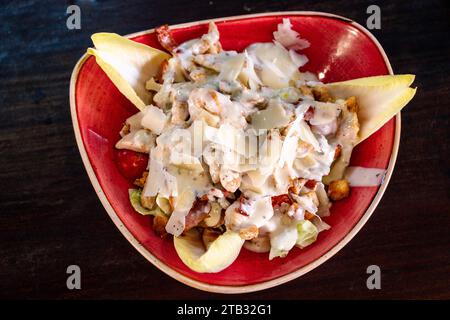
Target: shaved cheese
(298, 59)
(324, 202)
(186, 161)
(232, 67)
(273, 64)
(324, 113)
(175, 224)
(227, 138)
(160, 181)
(288, 37)
(154, 119)
(272, 117)
(364, 177)
(139, 140)
(305, 202)
(306, 135)
(134, 122)
(248, 74)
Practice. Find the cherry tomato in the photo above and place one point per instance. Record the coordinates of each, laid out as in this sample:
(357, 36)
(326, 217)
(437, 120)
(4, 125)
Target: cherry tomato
(131, 164)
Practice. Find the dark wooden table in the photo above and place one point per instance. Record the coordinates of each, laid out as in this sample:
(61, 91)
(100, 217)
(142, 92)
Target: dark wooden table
(50, 216)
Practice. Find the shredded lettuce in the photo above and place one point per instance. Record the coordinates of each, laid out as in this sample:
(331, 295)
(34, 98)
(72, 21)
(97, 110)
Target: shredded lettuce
(307, 233)
(282, 240)
(135, 200)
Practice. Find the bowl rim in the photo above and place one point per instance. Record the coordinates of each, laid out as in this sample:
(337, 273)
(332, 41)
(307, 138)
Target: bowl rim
(229, 289)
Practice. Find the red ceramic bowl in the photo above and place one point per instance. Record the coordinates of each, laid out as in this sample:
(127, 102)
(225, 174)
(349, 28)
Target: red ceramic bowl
(340, 50)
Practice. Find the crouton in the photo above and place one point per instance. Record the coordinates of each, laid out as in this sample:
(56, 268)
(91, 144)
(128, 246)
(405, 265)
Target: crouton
(305, 90)
(249, 232)
(352, 104)
(147, 202)
(321, 94)
(338, 190)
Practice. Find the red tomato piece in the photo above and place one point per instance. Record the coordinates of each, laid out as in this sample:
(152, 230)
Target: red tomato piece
(131, 164)
(282, 198)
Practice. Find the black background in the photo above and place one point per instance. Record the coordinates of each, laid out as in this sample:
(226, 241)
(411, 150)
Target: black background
(50, 216)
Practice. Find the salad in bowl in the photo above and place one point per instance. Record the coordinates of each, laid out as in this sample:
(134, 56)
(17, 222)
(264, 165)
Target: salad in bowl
(243, 151)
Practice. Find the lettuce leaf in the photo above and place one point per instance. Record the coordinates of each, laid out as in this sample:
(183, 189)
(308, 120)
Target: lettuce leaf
(307, 233)
(135, 200)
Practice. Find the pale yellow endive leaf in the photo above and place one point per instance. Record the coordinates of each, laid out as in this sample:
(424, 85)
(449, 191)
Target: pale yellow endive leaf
(379, 98)
(128, 64)
(220, 254)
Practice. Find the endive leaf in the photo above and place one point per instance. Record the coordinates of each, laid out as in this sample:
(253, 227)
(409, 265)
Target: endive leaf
(379, 98)
(220, 254)
(128, 64)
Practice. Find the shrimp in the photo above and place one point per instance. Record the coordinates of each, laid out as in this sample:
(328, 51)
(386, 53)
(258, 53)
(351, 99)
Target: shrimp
(165, 38)
(230, 180)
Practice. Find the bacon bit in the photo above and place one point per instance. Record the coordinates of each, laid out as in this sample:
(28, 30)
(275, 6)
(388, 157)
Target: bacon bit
(309, 113)
(140, 182)
(199, 211)
(337, 152)
(311, 184)
(228, 194)
(161, 71)
(159, 225)
(293, 189)
(309, 215)
(165, 38)
(278, 200)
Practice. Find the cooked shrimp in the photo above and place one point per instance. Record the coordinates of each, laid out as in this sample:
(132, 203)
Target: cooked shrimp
(230, 180)
(165, 38)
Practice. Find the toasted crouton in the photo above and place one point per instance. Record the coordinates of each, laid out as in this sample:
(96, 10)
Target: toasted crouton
(249, 232)
(352, 104)
(338, 190)
(321, 94)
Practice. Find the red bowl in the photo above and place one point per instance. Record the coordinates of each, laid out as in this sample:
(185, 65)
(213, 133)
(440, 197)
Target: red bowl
(340, 50)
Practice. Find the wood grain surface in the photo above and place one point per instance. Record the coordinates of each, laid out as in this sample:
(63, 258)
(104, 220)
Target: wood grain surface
(50, 216)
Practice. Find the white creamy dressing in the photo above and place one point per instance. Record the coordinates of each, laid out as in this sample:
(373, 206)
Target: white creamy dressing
(139, 140)
(259, 212)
